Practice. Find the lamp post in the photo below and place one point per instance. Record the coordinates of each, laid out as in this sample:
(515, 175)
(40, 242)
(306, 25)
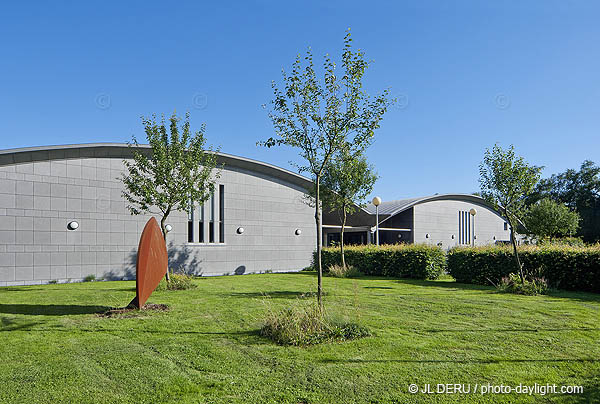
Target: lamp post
(377, 202)
(473, 212)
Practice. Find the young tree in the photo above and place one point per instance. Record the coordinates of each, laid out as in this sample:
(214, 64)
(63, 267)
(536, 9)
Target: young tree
(320, 117)
(548, 219)
(505, 181)
(175, 173)
(346, 182)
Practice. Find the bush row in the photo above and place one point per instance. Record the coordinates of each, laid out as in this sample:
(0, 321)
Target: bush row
(563, 267)
(417, 261)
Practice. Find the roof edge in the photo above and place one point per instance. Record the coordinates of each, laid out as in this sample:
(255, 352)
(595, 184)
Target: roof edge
(116, 150)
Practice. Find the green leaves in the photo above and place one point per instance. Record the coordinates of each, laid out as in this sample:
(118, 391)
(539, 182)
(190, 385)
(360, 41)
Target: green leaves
(346, 182)
(547, 219)
(319, 117)
(506, 180)
(174, 170)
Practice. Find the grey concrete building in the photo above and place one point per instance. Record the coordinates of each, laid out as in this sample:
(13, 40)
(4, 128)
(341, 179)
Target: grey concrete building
(445, 220)
(63, 217)
(255, 222)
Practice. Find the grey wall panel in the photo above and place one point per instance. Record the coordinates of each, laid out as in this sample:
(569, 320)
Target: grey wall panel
(439, 220)
(35, 211)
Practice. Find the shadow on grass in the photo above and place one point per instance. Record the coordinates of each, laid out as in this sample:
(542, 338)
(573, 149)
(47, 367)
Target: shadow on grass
(50, 309)
(513, 329)
(466, 361)
(276, 294)
(9, 325)
(445, 284)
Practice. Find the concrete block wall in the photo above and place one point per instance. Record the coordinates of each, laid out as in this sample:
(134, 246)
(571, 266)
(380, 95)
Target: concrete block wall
(439, 220)
(42, 191)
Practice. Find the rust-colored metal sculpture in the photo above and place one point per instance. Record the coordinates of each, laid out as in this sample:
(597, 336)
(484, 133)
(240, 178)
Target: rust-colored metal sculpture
(152, 263)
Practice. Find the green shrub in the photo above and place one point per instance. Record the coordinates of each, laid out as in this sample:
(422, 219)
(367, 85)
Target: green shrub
(563, 267)
(338, 271)
(513, 284)
(563, 241)
(177, 282)
(417, 261)
(304, 324)
(90, 278)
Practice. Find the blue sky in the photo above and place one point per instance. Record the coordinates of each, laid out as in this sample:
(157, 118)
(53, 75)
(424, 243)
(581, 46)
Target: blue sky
(468, 74)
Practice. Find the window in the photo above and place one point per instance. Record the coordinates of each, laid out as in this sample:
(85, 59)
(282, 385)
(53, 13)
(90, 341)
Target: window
(505, 226)
(211, 223)
(464, 227)
(201, 225)
(221, 213)
(190, 229)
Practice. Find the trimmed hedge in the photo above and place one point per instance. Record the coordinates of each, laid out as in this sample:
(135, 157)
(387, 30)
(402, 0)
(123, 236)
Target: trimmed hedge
(417, 261)
(563, 267)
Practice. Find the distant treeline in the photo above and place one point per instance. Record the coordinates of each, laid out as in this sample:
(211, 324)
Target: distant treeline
(580, 191)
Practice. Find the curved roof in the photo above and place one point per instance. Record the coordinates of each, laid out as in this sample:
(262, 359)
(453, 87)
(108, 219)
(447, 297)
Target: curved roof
(391, 208)
(122, 150)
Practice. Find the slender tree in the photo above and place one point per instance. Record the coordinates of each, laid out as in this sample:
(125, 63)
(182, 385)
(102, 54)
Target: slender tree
(549, 219)
(175, 172)
(506, 180)
(319, 117)
(346, 182)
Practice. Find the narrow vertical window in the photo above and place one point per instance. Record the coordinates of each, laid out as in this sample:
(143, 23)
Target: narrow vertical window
(201, 225)
(211, 223)
(190, 230)
(221, 213)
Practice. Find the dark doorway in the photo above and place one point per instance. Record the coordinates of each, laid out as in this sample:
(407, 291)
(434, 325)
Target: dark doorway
(355, 237)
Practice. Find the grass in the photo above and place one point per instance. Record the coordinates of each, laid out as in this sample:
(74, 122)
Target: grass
(207, 349)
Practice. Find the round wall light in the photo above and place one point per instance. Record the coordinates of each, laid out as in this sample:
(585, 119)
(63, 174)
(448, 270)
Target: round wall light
(473, 211)
(298, 232)
(453, 237)
(240, 230)
(73, 225)
(399, 235)
(427, 235)
(168, 228)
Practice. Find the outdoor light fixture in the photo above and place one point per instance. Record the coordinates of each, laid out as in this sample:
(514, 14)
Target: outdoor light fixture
(473, 212)
(298, 232)
(453, 237)
(427, 235)
(377, 202)
(240, 230)
(168, 228)
(73, 225)
(399, 235)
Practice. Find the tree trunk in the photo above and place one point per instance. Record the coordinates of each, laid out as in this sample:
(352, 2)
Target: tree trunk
(342, 238)
(514, 244)
(319, 243)
(164, 232)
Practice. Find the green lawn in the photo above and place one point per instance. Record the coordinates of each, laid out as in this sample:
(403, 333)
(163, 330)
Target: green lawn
(206, 349)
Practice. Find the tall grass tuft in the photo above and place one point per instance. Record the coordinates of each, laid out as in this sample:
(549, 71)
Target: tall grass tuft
(338, 271)
(513, 284)
(304, 323)
(177, 282)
